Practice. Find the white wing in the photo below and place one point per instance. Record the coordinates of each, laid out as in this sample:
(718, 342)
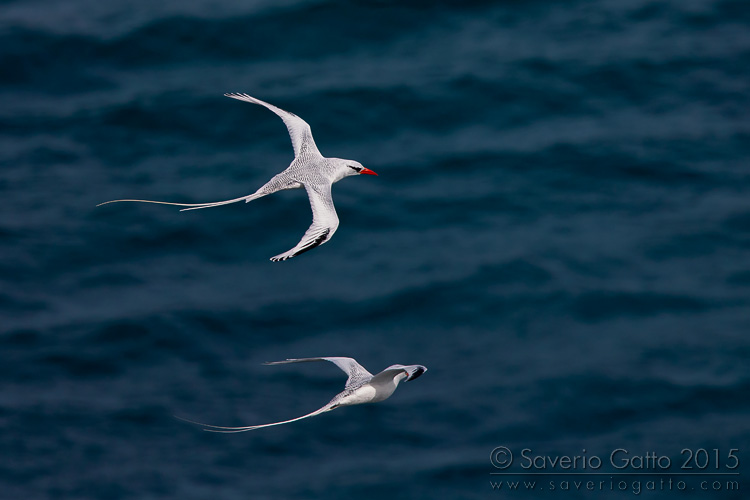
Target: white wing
(324, 224)
(299, 130)
(357, 373)
(386, 376)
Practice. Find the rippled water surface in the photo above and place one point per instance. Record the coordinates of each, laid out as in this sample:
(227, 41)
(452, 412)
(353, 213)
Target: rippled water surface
(560, 232)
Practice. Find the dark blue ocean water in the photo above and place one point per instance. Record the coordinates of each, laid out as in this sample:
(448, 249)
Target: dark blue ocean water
(560, 232)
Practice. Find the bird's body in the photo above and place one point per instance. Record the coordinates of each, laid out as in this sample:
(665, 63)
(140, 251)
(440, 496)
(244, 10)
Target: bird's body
(361, 387)
(309, 170)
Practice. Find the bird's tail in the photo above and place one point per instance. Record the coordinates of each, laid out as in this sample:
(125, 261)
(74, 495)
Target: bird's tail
(232, 430)
(192, 206)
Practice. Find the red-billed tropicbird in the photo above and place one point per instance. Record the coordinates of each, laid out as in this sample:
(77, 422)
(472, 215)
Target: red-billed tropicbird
(361, 387)
(309, 169)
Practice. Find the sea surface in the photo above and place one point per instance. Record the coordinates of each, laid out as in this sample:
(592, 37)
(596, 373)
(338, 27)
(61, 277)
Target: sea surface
(560, 232)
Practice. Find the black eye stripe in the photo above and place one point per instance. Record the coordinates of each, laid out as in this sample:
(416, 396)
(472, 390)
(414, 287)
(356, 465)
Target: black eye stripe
(354, 168)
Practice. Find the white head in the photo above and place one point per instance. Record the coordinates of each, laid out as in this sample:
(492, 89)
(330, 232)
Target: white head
(345, 168)
(410, 371)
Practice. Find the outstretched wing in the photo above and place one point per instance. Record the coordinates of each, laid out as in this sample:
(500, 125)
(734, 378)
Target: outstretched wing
(299, 130)
(230, 430)
(357, 373)
(387, 376)
(324, 224)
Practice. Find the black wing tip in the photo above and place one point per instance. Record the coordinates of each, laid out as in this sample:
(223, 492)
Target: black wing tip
(322, 238)
(315, 243)
(283, 361)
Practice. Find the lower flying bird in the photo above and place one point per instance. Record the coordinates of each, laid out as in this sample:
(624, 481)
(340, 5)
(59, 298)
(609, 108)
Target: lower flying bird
(361, 387)
(309, 170)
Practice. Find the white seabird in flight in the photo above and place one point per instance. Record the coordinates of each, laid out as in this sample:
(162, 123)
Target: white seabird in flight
(309, 170)
(361, 387)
